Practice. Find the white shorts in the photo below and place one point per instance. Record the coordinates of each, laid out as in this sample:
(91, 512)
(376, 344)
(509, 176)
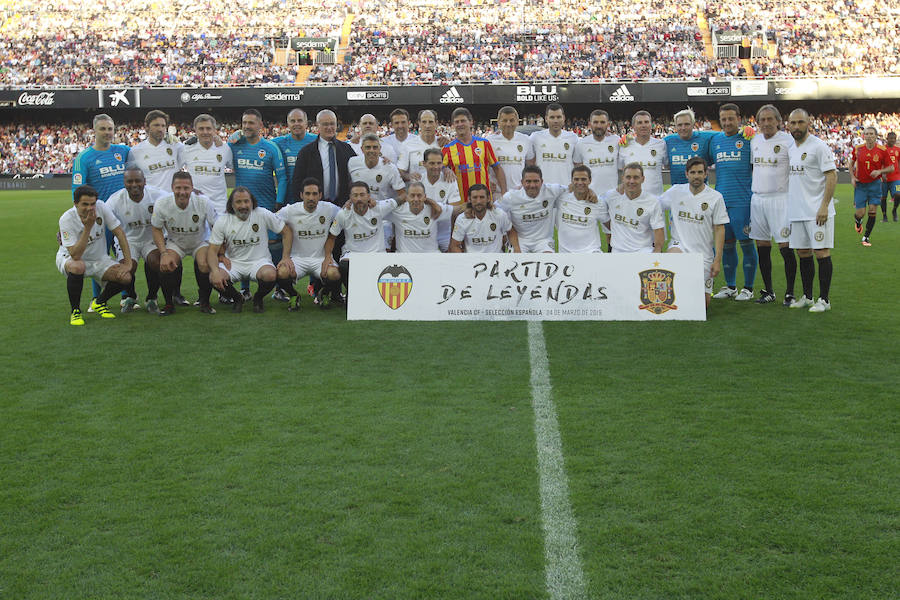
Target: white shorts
(536, 245)
(768, 218)
(806, 235)
(172, 245)
(310, 266)
(137, 250)
(92, 268)
(241, 269)
(707, 265)
(443, 232)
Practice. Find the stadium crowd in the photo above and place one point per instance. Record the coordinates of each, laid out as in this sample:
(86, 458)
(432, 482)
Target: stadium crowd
(424, 41)
(40, 148)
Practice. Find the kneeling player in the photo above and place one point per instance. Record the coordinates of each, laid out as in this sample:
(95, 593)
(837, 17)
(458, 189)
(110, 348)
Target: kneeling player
(82, 231)
(531, 209)
(310, 219)
(634, 217)
(416, 223)
(578, 216)
(482, 226)
(185, 217)
(698, 219)
(243, 231)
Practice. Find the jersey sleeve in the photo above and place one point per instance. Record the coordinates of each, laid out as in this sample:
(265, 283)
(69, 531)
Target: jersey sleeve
(603, 209)
(460, 229)
(79, 170)
(505, 223)
(557, 190)
(826, 158)
(452, 194)
(720, 214)
(665, 201)
(657, 219)
(397, 180)
(577, 153)
(157, 219)
(530, 155)
(217, 237)
(280, 176)
(445, 153)
(490, 157)
(273, 221)
(109, 217)
(69, 229)
(211, 214)
(386, 207)
(337, 225)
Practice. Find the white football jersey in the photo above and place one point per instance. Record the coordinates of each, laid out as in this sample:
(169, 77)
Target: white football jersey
(310, 228)
(188, 226)
(135, 216)
(159, 163)
(387, 152)
(412, 159)
(363, 233)
(809, 163)
(602, 157)
(384, 179)
(71, 228)
(554, 155)
(532, 218)
(631, 222)
(248, 240)
(694, 217)
(207, 168)
(577, 225)
(418, 233)
(485, 234)
(512, 154)
(771, 163)
(651, 155)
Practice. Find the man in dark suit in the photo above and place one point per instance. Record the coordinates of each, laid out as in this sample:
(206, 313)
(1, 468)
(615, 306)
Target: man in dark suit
(325, 159)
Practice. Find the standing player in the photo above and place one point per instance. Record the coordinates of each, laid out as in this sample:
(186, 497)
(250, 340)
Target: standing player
(206, 162)
(868, 163)
(600, 153)
(513, 149)
(554, 147)
(83, 252)
(685, 144)
(734, 173)
(578, 216)
(369, 124)
(401, 140)
(416, 221)
(698, 219)
(482, 226)
(531, 210)
(384, 179)
(309, 220)
(133, 207)
(102, 167)
(768, 204)
(158, 156)
(413, 161)
(634, 217)
(441, 191)
(470, 157)
(186, 218)
(811, 209)
(293, 142)
(242, 230)
(892, 179)
(648, 151)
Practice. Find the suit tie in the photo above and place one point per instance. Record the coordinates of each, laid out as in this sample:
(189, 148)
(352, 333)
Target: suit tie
(331, 192)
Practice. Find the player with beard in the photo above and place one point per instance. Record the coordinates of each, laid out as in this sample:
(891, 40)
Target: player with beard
(599, 151)
(158, 156)
(482, 226)
(514, 150)
(554, 147)
(242, 230)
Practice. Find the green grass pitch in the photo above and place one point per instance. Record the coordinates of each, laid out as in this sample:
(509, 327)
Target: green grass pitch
(303, 456)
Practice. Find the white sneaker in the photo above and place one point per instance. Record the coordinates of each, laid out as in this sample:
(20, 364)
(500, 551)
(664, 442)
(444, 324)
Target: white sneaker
(725, 292)
(90, 308)
(744, 295)
(801, 302)
(820, 306)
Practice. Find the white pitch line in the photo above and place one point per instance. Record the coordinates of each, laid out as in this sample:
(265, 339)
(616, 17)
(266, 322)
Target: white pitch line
(565, 575)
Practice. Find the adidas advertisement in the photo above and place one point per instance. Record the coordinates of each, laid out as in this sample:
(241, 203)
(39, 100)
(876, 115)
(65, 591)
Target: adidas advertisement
(622, 93)
(451, 96)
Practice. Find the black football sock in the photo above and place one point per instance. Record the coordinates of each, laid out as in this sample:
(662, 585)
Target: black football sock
(74, 285)
(858, 220)
(765, 266)
(152, 282)
(333, 286)
(884, 208)
(870, 224)
(262, 289)
(245, 284)
(169, 281)
(231, 292)
(204, 287)
(112, 288)
(287, 286)
(790, 269)
(179, 275)
(130, 292)
(825, 271)
(894, 211)
(807, 274)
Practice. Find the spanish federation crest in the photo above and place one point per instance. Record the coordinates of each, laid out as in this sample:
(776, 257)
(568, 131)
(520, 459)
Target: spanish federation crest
(395, 285)
(657, 291)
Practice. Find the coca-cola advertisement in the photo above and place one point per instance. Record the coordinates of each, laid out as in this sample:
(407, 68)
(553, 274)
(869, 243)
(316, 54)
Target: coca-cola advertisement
(37, 99)
(48, 98)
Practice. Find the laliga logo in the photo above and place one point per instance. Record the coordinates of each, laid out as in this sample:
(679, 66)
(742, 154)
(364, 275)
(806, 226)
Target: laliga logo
(395, 285)
(41, 99)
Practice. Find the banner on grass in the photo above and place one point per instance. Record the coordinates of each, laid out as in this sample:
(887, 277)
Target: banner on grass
(526, 287)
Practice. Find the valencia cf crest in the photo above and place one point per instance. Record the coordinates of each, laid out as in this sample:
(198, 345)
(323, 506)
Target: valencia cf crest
(544, 204)
(653, 153)
(322, 219)
(587, 210)
(657, 291)
(477, 151)
(739, 144)
(99, 221)
(169, 151)
(566, 145)
(818, 237)
(427, 220)
(640, 211)
(150, 209)
(219, 157)
(378, 178)
(255, 228)
(374, 221)
(519, 147)
(777, 148)
(704, 206)
(118, 156)
(610, 148)
(442, 193)
(695, 146)
(785, 232)
(395, 285)
(493, 227)
(261, 154)
(803, 156)
(195, 218)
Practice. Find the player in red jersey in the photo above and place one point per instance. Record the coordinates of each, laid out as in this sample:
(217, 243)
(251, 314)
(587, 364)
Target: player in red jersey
(471, 157)
(867, 167)
(891, 184)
